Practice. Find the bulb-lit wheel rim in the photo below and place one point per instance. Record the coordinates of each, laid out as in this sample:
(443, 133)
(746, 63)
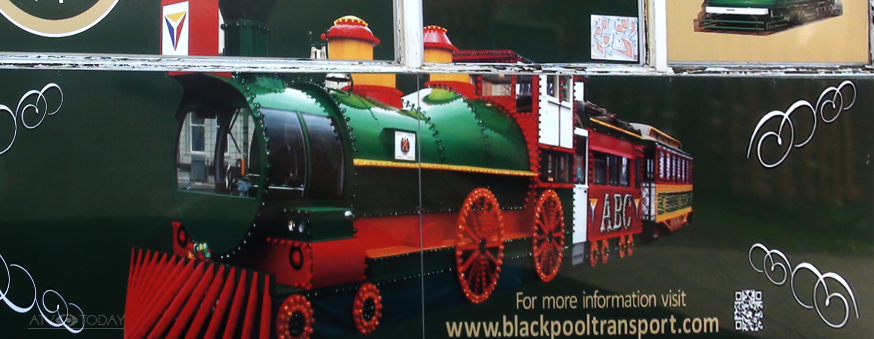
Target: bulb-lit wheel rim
(548, 235)
(479, 248)
(605, 251)
(295, 318)
(594, 254)
(622, 247)
(367, 308)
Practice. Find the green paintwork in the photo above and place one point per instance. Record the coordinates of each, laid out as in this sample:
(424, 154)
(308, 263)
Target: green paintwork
(474, 133)
(220, 221)
(245, 38)
(374, 125)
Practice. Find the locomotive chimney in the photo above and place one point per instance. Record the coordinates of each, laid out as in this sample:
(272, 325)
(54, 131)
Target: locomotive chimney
(245, 26)
(438, 49)
(191, 27)
(350, 39)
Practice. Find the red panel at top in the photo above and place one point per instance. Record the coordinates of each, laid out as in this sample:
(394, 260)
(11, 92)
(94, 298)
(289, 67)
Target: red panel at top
(203, 26)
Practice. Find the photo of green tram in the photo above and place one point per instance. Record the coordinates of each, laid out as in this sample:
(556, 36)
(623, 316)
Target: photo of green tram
(763, 15)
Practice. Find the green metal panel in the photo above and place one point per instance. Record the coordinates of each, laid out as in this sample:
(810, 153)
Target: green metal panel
(221, 221)
(504, 140)
(373, 125)
(473, 133)
(291, 100)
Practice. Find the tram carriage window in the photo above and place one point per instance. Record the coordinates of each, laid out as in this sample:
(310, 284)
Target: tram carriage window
(638, 173)
(523, 93)
(600, 172)
(668, 168)
(563, 168)
(550, 85)
(547, 167)
(613, 170)
(686, 171)
(661, 168)
(683, 170)
(566, 88)
(671, 167)
(556, 167)
(624, 171)
(497, 85)
(670, 163)
(327, 157)
(580, 169)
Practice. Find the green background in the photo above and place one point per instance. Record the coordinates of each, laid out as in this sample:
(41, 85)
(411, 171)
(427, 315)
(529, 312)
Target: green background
(96, 179)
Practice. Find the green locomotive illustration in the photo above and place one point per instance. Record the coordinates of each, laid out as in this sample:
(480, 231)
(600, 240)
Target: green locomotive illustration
(764, 15)
(298, 197)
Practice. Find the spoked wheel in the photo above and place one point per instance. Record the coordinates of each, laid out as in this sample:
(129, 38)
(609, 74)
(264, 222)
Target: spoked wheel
(594, 254)
(629, 244)
(622, 247)
(295, 318)
(479, 247)
(548, 235)
(367, 308)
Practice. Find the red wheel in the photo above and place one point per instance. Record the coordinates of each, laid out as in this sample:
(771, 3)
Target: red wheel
(605, 251)
(622, 247)
(295, 318)
(594, 254)
(367, 308)
(479, 247)
(548, 235)
(629, 244)
(183, 241)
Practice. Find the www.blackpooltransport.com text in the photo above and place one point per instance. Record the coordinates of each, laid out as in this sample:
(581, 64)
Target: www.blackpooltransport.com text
(591, 326)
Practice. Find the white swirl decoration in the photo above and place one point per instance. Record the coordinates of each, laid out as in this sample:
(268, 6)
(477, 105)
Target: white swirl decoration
(847, 301)
(831, 99)
(33, 101)
(44, 311)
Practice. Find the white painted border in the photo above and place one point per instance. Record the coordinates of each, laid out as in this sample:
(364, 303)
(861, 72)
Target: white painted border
(408, 17)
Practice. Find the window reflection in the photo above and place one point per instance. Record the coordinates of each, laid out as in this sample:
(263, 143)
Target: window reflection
(213, 150)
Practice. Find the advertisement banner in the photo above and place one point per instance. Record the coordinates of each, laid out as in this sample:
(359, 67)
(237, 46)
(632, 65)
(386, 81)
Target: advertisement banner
(145, 204)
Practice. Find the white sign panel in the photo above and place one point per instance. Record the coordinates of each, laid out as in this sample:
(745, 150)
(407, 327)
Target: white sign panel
(405, 146)
(174, 26)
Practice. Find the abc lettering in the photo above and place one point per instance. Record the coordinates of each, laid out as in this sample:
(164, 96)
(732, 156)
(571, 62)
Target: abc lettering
(619, 214)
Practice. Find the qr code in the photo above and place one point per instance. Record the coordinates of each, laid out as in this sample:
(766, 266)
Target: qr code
(748, 314)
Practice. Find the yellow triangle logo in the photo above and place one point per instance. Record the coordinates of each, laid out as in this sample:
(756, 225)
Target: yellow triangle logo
(175, 16)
